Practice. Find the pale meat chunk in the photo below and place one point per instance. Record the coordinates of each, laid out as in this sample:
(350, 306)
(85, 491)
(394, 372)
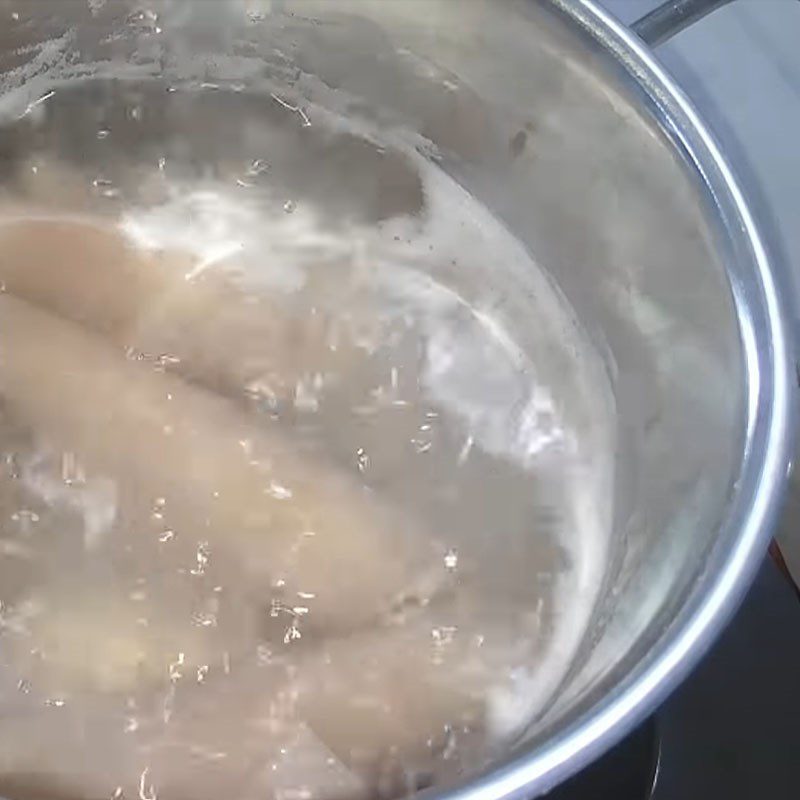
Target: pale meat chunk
(87, 634)
(201, 325)
(85, 272)
(227, 478)
(377, 714)
(90, 753)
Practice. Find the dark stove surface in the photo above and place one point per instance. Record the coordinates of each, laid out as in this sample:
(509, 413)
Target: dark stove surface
(732, 730)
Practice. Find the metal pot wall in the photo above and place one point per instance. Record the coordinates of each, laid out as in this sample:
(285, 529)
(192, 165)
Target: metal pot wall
(563, 123)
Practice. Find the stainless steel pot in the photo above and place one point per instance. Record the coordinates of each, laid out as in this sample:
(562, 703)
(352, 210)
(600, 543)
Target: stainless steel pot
(562, 122)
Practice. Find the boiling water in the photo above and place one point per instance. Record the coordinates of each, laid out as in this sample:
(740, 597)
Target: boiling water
(286, 506)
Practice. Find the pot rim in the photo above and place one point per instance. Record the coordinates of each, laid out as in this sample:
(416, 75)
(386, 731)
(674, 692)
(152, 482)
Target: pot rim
(766, 457)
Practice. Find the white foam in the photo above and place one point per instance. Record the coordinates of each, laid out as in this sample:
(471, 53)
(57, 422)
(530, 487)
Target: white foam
(94, 499)
(258, 242)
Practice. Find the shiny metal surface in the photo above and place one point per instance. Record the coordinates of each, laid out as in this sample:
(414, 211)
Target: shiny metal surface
(563, 123)
(755, 508)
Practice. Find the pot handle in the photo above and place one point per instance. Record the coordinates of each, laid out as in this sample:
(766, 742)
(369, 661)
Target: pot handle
(671, 17)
